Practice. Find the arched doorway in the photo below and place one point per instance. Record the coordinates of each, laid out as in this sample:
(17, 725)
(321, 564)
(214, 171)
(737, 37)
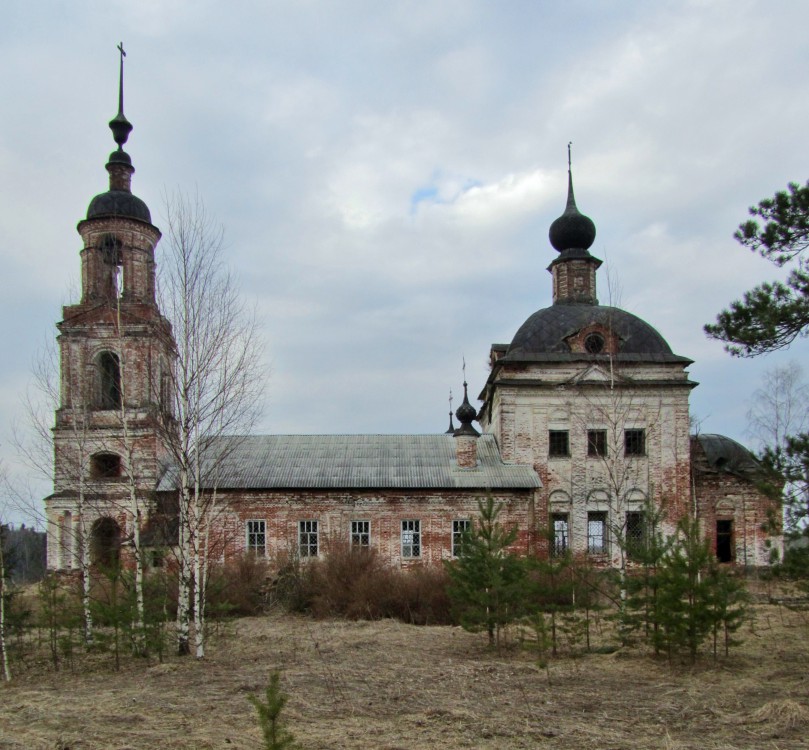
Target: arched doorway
(105, 543)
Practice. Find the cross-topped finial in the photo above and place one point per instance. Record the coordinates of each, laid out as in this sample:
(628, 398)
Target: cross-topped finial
(121, 80)
(569, 144)
(120, 126)
(463, 359)
(450, 400)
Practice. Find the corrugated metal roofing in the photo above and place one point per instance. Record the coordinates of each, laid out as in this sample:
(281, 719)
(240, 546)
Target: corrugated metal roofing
(357, 462)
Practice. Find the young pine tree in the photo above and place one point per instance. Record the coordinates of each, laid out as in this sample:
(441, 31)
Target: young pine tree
(684, 617)
(276, 737)
(488, 584)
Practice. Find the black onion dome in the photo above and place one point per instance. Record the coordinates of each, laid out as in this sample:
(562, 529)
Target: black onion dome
(572, 230)
(466, 414)
(547, 330)
(119, 203)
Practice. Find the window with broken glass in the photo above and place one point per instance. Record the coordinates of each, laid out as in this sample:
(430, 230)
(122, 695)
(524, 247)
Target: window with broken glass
(596, 443)
(597, 533)
(558, 443)
(307, 538)
(360, 533)
(257, 537)
(561, 534)
(411, 538)
(460, 528)
(634, 442)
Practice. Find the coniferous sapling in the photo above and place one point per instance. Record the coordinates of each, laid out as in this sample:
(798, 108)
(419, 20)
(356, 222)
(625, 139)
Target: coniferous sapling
(488, 584)
(276, 737)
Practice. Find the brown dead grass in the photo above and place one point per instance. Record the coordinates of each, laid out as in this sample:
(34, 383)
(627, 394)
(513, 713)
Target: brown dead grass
(389, 686)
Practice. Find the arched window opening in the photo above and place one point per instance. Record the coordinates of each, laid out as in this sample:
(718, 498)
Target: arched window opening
(111, 253)
(105, 543)
(105, 466)
(109, 371)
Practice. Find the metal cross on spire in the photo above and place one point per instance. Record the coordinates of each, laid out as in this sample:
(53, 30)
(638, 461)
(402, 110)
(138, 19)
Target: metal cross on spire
(569, 144)
(120, 126)
(120, 48)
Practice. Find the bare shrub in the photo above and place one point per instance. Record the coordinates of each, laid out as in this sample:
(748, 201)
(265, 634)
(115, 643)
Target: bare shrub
(356, 584)
(239, 587)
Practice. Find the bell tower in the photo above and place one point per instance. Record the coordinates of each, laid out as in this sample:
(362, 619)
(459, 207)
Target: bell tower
(115, 359)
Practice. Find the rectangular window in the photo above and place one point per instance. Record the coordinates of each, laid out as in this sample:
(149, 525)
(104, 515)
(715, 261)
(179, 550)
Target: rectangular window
(597, 533)
(596, 442)
(634, 442)
(558, 443)
(257, 537)
(561, 535)
(411, 538)
(635, 534)
(724, 540)
(360, 533)
(459, 528)
(307, 538)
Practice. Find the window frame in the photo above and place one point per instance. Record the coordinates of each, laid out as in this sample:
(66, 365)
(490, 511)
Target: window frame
(253, 534)
(308, 538)
(355, 536)
(460, 527)
(410, 526)
(597, 444)
(634, 442)
(635, 533)
(560, 549)
(108, 367)
(558, 443)
(597, 516)
(106, 466)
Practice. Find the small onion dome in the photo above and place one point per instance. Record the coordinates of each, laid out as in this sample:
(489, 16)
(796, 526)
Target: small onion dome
(120, 203)
(572, 230)
(466, 415)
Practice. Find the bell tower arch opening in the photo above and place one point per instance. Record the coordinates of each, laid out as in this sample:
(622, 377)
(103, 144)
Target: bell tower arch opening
(105, 543)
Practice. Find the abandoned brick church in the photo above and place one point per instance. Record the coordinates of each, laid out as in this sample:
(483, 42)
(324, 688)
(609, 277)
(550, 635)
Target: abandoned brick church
(583, 420)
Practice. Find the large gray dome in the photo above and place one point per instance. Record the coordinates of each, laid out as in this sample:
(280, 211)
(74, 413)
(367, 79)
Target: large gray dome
(547, 332)
(119, 203)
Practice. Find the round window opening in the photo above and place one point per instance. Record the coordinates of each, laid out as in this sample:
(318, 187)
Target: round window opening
(594, 343)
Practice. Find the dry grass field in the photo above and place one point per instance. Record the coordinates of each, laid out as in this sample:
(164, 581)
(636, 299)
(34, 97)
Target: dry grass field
(385, 685)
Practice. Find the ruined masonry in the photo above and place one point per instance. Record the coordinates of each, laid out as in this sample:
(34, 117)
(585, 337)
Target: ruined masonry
(584, 422)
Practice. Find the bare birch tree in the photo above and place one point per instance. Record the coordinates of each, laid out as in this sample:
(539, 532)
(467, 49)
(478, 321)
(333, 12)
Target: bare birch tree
(216, 386)
(35, 446)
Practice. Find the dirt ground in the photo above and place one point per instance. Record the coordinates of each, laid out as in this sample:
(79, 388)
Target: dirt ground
(389, 686)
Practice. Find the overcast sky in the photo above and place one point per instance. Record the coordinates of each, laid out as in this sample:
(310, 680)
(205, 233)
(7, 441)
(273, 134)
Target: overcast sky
(386, 173)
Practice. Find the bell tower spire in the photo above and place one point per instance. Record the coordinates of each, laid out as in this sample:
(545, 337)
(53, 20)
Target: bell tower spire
(117, 359)
(572, 234)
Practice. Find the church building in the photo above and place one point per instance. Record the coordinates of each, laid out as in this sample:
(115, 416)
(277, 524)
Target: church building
(583, 426)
